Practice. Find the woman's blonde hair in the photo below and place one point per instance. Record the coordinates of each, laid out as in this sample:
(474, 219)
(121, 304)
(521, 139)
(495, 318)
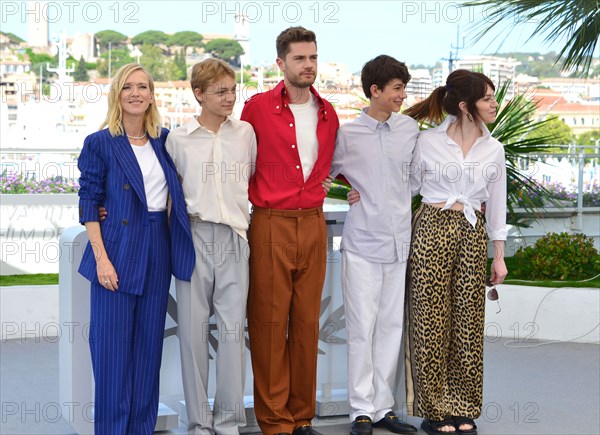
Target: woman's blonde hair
(114, 117)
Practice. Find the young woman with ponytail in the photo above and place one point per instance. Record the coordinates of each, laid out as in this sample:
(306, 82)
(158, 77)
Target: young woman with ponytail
(460, 167)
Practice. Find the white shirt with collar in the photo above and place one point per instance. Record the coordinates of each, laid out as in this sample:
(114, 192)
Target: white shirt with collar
(375, 157)
(215, 168)
(446, 176)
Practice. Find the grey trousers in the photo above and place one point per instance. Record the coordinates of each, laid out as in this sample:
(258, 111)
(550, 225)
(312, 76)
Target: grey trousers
(219, 285)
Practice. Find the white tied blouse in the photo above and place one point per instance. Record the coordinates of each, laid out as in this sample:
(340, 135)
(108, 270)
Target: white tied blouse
(442, 174)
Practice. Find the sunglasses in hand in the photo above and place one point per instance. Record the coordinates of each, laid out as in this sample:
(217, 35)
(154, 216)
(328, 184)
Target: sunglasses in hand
(492, 293)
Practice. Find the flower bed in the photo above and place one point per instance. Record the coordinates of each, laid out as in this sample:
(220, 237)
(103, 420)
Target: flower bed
(564, 197)
(17, 183)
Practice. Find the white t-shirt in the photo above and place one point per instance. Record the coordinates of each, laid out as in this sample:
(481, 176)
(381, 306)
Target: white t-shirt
(306, 117)
(155, 183)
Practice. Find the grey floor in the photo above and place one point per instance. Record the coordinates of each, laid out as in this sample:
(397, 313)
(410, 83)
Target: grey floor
(552, 388)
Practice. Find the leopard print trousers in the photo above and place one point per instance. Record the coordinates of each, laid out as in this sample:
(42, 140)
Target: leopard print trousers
(445, 304)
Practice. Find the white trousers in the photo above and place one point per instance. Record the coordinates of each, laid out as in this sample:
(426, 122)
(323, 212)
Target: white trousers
(374, 305)
(219, 284)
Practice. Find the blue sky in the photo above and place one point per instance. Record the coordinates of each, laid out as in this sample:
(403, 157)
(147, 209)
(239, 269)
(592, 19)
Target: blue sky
(351, 32)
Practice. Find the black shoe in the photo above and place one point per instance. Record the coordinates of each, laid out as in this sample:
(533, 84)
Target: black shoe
(394, 424)
(361, 426)
(307, 429)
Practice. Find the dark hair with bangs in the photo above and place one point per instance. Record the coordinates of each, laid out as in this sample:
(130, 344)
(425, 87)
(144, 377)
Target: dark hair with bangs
(461, 85)
(380, 71)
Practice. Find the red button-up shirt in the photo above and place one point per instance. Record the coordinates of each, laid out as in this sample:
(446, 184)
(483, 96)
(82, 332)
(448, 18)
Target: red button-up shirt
(278, 181)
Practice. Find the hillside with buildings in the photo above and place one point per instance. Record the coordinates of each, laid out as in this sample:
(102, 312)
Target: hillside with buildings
(32, 70)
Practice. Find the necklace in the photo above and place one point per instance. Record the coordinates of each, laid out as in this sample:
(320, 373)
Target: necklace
(136, 137)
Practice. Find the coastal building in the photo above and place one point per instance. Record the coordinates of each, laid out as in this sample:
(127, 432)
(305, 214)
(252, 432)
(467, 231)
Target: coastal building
(581, 115)
(82, 45)
(242, 36)
(37, 23)
(574, 89)
(498, 69)
(10, 65)
(420, 85)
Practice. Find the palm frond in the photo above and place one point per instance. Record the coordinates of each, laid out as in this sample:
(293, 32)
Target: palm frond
(576, 22)
(514, 121)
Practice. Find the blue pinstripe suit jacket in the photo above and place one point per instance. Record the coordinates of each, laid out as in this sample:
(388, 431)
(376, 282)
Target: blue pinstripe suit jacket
(111, 176)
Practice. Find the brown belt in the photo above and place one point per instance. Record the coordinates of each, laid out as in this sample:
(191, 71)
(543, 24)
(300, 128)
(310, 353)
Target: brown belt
(288, 213)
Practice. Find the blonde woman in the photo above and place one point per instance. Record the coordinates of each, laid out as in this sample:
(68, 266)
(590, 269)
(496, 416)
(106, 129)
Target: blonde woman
(131, 253)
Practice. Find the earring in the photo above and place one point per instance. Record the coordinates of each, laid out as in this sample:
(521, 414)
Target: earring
(470, 117)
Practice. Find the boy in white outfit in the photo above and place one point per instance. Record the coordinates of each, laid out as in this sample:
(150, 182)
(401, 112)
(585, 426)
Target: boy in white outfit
(374, 152)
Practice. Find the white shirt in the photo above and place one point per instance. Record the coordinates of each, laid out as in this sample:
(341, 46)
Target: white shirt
(445, 175)
(215, 169)
(306, 117)
(375, 157)
(155, 183)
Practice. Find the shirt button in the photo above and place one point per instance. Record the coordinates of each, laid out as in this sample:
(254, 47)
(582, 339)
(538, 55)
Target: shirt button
(293, 146)
(125, 221)
(291, 125)
(126, 186)
(297, 167)
(277, 107)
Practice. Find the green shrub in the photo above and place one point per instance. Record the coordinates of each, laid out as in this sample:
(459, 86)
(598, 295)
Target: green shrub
(559, 256)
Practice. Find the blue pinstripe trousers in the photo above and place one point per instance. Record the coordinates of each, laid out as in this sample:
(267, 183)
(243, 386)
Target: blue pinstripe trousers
(126, 339)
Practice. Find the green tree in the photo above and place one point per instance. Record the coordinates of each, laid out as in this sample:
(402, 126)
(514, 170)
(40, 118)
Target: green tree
(161, 68)
(536, 64)
(576, 22)
(118, 58)
(186, 39)
(150, 37)
(13, 38)
(40, 61)
(559, 132)
(39, 57)
(81, 74)
(588, 138)
(116, 39)
(514, 127)
(247, 78)
(181, 65)
(226, 49)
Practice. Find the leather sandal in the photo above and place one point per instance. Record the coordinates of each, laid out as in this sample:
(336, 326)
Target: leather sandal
(432, 427)
(458, 421)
